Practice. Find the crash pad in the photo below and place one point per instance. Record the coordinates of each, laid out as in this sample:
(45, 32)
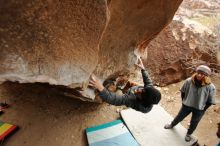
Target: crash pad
(148, 129)
(114, 133)
(6, 129)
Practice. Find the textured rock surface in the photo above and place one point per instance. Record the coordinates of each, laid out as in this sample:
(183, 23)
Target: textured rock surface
(191, 39)
(63, 42)
(50, 41)
(132, 24)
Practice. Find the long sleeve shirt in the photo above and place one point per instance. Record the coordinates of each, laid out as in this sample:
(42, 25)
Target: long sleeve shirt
(198, 97)
(129, 99)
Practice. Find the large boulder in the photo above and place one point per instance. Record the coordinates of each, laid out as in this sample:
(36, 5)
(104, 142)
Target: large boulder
(63, 42)
(191, 39)
(50, 41)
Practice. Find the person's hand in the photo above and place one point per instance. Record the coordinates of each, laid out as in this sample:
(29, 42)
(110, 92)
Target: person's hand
(94, 82)
(140, 64)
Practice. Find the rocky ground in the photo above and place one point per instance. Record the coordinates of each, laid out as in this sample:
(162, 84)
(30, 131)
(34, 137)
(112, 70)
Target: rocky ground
(46, 118)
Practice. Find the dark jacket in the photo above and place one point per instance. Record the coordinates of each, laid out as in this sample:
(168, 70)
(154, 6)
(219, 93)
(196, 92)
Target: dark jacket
(129, 99)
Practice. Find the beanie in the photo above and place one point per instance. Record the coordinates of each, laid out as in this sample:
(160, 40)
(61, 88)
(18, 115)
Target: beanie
(108, 83)
(204, 69)
(150, 95)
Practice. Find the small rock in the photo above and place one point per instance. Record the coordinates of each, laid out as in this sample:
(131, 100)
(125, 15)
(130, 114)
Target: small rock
(158, 88)
(170, 99)
(217, 109)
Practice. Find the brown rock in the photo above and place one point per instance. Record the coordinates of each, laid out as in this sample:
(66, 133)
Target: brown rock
(178, 50)
(63, 42)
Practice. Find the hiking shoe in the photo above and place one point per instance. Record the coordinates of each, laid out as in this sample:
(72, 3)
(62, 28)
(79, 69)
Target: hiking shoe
(188, 137)
(168, 126)
(1, 112)
(3, 105)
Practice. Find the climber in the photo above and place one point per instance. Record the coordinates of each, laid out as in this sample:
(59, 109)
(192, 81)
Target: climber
(140, 98)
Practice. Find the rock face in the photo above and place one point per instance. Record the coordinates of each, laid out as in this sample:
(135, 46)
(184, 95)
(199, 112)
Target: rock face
(191, 39)
(63, 42)
(132, 25)
(50, 41)
(175, 53)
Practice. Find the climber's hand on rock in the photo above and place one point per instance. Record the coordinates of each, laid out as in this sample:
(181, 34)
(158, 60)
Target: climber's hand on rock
(140, 64)
(94, 82)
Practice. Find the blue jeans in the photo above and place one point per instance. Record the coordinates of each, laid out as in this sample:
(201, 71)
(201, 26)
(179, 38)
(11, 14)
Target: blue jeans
(185, 111)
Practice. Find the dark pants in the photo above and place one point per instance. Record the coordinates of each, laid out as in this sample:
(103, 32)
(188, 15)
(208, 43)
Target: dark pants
(185, 111)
